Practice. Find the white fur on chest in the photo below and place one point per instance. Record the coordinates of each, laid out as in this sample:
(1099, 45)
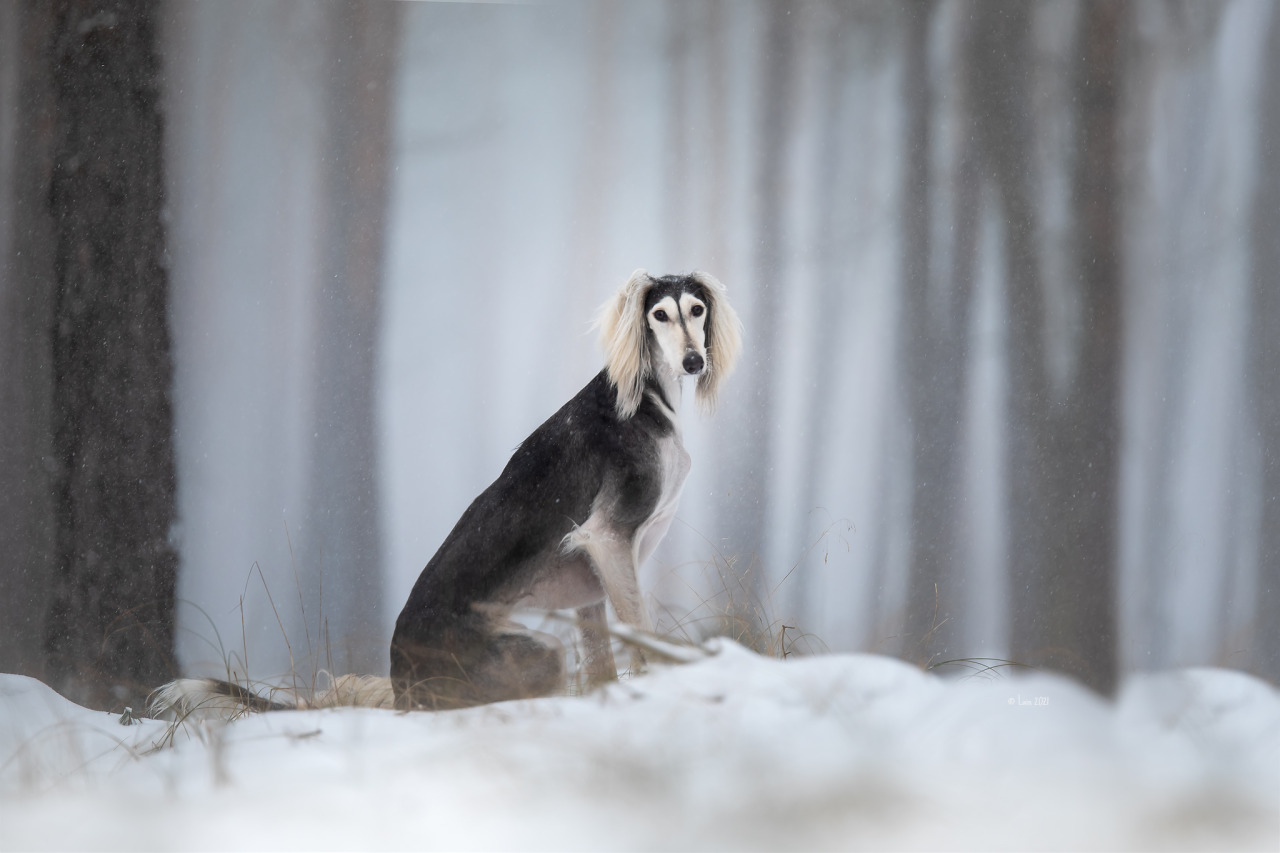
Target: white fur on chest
(674, 462)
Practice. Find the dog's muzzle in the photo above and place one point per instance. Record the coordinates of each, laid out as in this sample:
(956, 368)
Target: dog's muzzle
(693, 363)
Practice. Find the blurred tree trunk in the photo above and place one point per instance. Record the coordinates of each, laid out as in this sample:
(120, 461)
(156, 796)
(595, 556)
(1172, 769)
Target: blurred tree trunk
(677, 140)
(109, 637)
(343, 547)
(832, 281)
(936, 322)
(716, 65)
(598, 168)
(998, 57)
(1001, 66)
(746, 509)
(26, 350)
(1063, 472)
(1081, 597)
(1264, 345)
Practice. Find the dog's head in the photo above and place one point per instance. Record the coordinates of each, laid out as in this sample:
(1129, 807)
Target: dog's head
(682, 324)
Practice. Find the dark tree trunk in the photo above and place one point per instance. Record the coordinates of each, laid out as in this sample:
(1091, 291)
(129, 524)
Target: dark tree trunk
(999, 63)
(343, 540)
(1063, 473)
(109, 637)
(1264, 656)
(26, 353)
(936, 322)
(1085, 478)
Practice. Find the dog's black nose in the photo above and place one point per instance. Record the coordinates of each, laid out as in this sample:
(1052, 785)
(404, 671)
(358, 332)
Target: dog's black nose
(692, 363)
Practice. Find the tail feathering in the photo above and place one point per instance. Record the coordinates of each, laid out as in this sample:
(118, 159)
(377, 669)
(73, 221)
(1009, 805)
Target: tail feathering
(199, 699)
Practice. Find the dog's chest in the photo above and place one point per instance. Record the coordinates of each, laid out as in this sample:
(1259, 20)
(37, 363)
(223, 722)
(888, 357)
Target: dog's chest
(673, 464)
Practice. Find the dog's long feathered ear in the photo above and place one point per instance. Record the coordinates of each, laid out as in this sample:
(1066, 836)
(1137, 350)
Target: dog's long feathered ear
(623, 335)
(724, 341)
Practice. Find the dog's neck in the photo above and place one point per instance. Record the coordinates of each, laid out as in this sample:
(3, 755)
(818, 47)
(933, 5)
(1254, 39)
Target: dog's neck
(664, 388)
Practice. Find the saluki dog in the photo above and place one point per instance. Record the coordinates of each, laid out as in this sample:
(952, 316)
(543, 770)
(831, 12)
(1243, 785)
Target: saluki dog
(580, 506)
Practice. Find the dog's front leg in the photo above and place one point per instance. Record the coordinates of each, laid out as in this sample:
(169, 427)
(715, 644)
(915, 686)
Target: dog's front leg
(596, 645)
(614, 562)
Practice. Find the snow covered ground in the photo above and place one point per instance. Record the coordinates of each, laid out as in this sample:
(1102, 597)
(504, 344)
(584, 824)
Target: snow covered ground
(736, 751)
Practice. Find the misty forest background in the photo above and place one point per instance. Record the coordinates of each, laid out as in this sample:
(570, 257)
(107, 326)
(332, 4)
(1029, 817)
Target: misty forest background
(282, 284)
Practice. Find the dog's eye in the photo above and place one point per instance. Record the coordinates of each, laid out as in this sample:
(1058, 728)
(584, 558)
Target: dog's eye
(660, 316)
(696, 311)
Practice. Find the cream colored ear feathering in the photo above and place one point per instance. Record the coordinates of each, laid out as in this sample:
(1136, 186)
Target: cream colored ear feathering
(724, 341)
(625, 342)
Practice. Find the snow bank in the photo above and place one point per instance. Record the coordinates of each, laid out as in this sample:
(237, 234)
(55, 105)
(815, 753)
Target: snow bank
(737, 751)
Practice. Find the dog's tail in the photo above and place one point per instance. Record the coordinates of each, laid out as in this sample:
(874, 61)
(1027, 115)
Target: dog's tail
(208, 698)
(201, 699)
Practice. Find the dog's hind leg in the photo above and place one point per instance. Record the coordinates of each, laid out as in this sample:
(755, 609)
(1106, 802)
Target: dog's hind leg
(597, 647)
(473, 665)
(519, 664)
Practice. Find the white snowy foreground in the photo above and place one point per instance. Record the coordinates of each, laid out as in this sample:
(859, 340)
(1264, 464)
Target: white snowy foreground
(736, 751)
